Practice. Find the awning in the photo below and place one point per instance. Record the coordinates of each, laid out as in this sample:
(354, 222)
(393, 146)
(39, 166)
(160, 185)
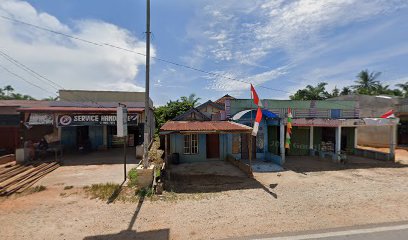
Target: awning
(246, 114)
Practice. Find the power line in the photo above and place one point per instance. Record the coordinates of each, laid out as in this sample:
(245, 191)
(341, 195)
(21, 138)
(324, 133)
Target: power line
(142, 54)
(23, 79)
(138, 53)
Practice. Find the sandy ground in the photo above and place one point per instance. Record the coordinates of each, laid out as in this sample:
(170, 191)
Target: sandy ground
(302, 199)
(86, 169)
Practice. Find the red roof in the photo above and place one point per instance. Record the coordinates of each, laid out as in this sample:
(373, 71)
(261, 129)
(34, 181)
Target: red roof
(76, 109)
(206, 126)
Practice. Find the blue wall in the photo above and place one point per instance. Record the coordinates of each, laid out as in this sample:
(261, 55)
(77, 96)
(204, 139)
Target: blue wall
(68, 137)
(177, 146)
(96, 136)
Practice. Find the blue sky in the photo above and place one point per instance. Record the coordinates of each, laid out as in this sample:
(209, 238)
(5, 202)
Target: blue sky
(281, 45)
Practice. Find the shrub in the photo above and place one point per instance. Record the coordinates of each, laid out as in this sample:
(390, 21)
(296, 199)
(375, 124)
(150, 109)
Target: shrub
(132, 175)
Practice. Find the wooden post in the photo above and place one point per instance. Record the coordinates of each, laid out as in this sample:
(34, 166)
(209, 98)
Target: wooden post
(393, 142)
(166, 149)
(250, 151)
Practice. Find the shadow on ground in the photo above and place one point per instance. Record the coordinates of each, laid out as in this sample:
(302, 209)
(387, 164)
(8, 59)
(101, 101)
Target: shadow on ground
(110, 156)
(129, 234)
(209, 177)
(304, 164)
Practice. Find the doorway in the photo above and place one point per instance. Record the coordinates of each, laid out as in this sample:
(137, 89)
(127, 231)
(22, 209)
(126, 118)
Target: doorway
(245, 146)
(213, 145)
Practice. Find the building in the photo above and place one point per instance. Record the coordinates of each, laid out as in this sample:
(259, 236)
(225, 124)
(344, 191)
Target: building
(80, 119)
(323, 128)
(371, 107)
(320, 128)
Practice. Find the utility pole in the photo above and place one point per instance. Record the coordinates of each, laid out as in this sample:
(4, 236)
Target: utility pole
(147, 87)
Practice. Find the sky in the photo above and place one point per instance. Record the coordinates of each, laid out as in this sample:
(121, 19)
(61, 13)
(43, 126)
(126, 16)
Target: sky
(279, 46)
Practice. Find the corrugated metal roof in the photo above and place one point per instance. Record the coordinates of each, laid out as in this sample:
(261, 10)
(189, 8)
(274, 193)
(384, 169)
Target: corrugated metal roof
(24, 103)
(195, 126)
(76, 109)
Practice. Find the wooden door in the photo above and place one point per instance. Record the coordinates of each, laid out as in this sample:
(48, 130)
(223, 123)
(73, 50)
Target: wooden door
(213, 146)
(244, 146)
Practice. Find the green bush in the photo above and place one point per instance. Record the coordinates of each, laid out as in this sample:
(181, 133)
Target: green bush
(145, 192)
(132, 175)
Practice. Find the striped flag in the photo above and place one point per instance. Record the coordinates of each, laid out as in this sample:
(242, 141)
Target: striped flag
(258, 119)
(288, 129)
(389, 114)
(257, 101)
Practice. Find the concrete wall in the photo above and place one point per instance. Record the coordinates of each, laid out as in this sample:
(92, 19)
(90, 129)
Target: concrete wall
(101, 96)
(177, 146)
(372, 107)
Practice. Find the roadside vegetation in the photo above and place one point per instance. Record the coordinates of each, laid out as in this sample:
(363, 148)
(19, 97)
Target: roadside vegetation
(367, 83)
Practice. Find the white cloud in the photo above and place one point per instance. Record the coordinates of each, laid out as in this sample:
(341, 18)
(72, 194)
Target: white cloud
(70, 63)
(247, 33)
(220, 83)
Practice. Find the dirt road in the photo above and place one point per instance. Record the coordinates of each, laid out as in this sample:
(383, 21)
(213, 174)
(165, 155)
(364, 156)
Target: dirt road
(300, 201)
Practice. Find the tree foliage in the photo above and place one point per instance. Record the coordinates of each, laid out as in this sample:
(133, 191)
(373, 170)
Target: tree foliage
(174, 108)
(367, 83)
(7, 93)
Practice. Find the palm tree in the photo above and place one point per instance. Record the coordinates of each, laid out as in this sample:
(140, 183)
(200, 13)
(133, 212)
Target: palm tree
(404, 87)
(383, 89)
(192, 100)
(366, 82)
(346, 91)
(312, 93)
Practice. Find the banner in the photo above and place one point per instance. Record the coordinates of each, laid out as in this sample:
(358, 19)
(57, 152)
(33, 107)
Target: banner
(93, 119)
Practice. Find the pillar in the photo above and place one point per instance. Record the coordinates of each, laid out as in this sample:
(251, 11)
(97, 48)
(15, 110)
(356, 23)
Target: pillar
(282, 141)
(311, 151)
(355, 137)
(338, 143)
(393, 141)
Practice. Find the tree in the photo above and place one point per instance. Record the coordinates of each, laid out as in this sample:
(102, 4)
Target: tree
(192, 99)
(174, 108)
(335, 92)
(7, 93)
(346, 91)
(311, 93)
(366, 82)
(404, 87)
(8, 89)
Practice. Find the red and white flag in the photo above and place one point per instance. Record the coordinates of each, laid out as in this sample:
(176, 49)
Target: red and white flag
(258, 119)
(389, 114)
(257, 101)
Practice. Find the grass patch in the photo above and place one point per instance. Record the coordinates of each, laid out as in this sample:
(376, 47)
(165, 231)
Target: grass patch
(133, 178)
(68, 187)
(102, 191)
(111, 192)
(37, 189)
(145, 192)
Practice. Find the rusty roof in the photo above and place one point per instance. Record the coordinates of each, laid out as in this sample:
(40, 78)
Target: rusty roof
(206, 126)
(77, 109)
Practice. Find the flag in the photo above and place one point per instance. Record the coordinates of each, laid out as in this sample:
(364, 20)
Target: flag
(389, 114)
(288, 129)
(257, 101)
(258, 119)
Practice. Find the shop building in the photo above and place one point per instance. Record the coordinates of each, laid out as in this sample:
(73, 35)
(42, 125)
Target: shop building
(82, 119)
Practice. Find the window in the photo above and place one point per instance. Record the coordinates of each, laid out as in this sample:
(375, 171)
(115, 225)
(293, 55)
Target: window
(191, 144)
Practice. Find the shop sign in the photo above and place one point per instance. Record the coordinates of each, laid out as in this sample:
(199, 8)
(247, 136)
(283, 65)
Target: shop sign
(41, 119)
(93, 119)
